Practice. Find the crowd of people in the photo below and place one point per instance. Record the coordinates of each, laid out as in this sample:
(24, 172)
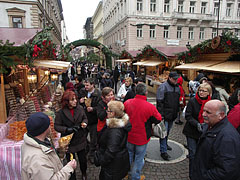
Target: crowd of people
(111, 128)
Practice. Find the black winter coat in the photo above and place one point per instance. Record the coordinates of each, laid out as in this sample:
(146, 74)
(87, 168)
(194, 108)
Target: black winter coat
(191, 115)
(96, 97)
(218, 153)
(106, 82)
(64, 120)
(113, 154)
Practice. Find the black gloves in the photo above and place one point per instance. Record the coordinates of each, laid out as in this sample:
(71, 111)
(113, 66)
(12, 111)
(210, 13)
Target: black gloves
(73, 129)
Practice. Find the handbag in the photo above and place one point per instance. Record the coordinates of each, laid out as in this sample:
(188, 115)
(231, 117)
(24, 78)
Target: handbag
(159, 130)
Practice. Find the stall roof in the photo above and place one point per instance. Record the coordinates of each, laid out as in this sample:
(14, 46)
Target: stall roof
(19, 36)
(148, 63)
(198, 65)
(123, 60)
(227, 66)
(62, 65)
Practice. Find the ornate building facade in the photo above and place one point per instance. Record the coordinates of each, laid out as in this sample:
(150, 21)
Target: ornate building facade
(132, 24)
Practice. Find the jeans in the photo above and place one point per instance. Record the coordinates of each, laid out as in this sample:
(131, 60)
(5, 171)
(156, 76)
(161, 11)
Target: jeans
(163, 142)
(192, 146)
(136, 154)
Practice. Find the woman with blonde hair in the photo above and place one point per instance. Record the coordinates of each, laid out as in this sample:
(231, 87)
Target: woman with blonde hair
(125, 88)
(193, 127)
(112, 154)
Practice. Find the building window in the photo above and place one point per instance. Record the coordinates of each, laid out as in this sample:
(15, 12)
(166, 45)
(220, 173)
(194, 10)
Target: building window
(203, 8)
(17, 22)
(166, 6)
(153, 6)
(152, 31)
(139, 5)
(237, 32)
(201, 34)
(190, 33)
(125, 32)
(238, 10)
(179, 32)
(192, 7)
(229, 9)
(180, 6)
(216, 5)
(214, 32)
(139, 31)
(166, 32)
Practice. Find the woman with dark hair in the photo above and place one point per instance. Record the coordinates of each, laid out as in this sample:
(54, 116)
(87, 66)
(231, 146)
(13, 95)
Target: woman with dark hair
(193, 127)
(107, 96)
(72, 119)
(113, 155)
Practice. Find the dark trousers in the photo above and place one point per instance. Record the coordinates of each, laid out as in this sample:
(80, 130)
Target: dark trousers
(93, 139)
(192, 146)
(115, 87)
(82, 161)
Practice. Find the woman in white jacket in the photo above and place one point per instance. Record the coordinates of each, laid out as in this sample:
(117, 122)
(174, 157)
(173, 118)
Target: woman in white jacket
(125, 88)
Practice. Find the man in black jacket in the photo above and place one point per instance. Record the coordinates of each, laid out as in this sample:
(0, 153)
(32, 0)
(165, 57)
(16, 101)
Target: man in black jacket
(218, 151)
(168, 95)
(89, 99)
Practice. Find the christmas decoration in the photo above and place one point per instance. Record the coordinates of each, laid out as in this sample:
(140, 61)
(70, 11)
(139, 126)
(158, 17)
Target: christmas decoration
(149, 51)
(227, 42)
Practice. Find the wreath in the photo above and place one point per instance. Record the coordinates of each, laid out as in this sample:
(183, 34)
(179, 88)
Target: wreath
(215, 42)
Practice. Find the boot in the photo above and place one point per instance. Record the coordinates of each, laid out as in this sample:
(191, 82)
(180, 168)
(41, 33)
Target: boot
(179, 122)
(84, 176)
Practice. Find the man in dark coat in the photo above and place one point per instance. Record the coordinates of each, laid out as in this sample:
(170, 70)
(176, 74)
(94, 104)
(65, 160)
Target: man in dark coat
(116, 75)
(218, 151)
(89, 99)
(168, 95)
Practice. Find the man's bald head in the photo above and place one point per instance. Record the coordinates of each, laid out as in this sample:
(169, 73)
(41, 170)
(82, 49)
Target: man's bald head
(213, 112)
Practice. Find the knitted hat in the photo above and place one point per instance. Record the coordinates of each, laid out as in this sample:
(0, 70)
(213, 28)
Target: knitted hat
(174, 75)
(37, 123)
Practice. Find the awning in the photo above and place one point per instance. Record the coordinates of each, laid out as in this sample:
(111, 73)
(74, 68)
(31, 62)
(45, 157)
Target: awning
(61, 65)
(198, 65)
(227, 66)
(123, 60)
(148, 63)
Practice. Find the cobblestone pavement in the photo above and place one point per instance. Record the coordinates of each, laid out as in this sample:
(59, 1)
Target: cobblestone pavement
(153, 171)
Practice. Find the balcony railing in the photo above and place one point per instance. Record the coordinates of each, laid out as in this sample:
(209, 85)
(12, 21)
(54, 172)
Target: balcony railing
(197, 16)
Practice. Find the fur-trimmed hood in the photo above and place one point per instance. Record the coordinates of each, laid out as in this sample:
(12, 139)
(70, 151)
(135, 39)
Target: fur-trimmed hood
(119, 122)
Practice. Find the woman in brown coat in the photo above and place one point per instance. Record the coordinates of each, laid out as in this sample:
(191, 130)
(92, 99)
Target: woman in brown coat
(72, 119)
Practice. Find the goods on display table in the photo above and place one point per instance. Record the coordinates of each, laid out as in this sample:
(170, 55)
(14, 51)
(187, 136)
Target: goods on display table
(20, 107)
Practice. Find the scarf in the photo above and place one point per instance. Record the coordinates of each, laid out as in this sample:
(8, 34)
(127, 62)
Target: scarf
(202, 102)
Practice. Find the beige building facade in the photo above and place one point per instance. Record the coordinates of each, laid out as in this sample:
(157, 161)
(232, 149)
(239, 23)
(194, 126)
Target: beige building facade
(34, 14)
(132, 24)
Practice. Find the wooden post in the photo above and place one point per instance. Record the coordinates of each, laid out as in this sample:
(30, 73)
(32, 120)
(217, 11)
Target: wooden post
(25, 81)
(38, 78)
(3, 112)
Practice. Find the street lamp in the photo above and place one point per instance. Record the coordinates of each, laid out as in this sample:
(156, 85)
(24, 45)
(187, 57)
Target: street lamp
(218, 16)
(188, 45)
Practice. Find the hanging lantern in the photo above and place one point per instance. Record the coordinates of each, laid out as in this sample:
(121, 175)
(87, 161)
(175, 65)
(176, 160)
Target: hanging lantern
(32, 78)
(54, 77)
(166, 64)
(46, 72)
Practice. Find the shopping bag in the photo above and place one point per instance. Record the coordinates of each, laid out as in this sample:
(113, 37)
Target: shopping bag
(159, 130)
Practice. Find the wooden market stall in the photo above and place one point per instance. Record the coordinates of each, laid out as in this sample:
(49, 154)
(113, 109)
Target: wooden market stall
(154, 65)
(218, 57)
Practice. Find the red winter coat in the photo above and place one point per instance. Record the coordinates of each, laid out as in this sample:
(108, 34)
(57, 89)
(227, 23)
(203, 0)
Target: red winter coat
(142, 114)
(182, 93)
(234, 116)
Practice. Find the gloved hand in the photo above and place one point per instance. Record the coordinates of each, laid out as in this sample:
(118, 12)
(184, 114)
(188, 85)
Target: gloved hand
(69, 130)
(76, 128)
(199, 127)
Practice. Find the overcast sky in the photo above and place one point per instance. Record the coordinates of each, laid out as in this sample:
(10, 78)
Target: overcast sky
(75, 13)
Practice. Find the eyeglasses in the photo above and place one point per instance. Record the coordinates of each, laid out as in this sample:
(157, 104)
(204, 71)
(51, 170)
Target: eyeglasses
(203, 91)
(108, 111)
